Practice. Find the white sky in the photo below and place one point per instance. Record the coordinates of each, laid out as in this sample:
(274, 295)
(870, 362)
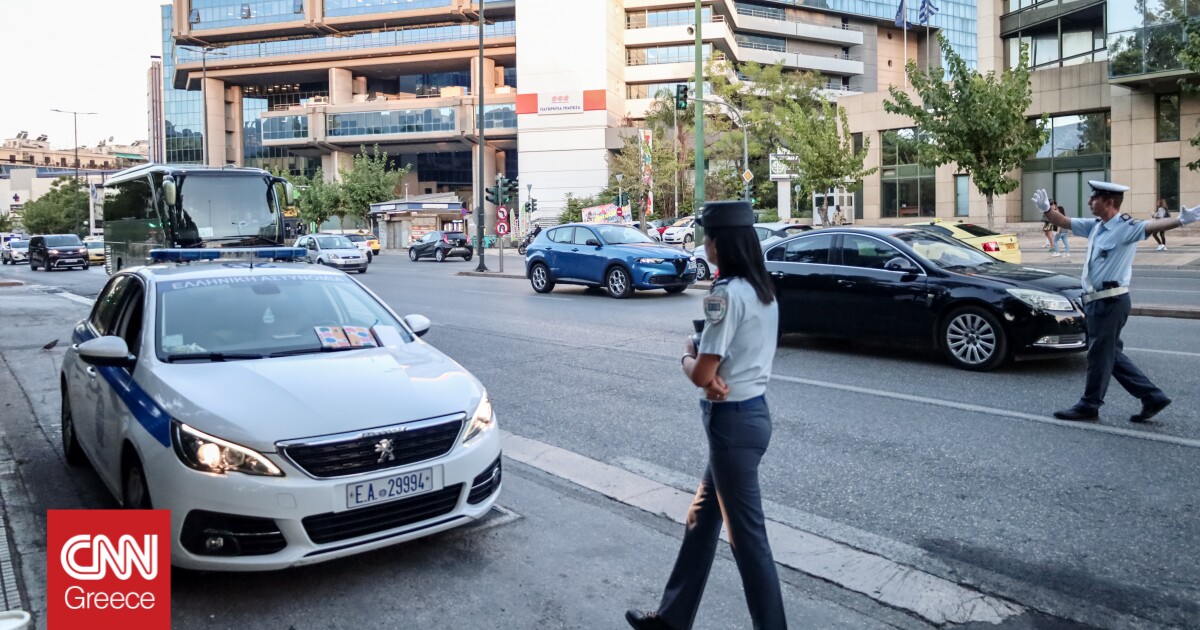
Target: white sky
(83, 55)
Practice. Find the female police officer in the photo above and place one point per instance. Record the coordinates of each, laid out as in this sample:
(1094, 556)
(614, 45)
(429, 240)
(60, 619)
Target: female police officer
(732, 365)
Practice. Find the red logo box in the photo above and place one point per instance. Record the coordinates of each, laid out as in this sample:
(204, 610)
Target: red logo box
(108, 569)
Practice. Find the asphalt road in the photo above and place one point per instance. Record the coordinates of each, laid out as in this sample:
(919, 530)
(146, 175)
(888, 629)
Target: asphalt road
(960, 474)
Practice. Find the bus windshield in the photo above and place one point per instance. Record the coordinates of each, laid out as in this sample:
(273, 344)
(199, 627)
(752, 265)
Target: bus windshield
(216, 207)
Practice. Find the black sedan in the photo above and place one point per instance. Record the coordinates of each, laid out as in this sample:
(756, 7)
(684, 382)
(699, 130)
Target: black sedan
(915, 287)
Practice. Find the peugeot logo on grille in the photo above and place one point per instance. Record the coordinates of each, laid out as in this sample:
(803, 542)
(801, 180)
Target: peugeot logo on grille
(384, 448)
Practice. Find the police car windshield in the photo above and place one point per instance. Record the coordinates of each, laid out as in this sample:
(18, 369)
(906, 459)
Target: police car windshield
(943, 251)
(256, 315)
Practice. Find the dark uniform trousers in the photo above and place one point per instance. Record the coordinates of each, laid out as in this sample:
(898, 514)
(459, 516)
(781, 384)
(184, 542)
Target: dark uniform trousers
(1105, 359)
(738, 435)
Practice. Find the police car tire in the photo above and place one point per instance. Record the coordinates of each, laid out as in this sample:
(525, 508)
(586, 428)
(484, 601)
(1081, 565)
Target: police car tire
(702, 272)
(974, 318)
(618, 282)
(135, 494)
(72, 451)
(539, 277)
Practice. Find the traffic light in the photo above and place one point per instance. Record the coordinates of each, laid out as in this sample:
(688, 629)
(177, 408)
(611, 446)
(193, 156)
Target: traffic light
(532, 206)
(508, 189)
(525, 207)
(681, 96)
(493, 195)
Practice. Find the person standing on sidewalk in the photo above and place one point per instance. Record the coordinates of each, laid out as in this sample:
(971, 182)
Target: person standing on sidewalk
(732, 365)
(1161, 212)
(1048, 231)
(1107, 268)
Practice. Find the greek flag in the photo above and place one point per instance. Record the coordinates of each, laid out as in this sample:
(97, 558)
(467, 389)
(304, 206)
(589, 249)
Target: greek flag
(926, 12)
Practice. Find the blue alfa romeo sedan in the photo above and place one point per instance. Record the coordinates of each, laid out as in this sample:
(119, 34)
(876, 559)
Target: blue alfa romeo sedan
(618, 258)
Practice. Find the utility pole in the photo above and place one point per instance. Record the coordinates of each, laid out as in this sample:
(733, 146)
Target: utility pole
(699, 196)
(76, 116)
(479, 192)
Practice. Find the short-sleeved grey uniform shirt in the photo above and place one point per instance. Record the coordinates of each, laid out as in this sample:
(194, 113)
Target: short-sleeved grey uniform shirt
(1111, 246)
(742, 331)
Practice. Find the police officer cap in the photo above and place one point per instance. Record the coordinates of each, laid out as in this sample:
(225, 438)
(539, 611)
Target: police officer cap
(726, 214)
(1106, 188)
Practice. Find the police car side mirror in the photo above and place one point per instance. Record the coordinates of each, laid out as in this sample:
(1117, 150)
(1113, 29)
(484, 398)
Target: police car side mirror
(170, 194)
(419, 324)
(108, 351)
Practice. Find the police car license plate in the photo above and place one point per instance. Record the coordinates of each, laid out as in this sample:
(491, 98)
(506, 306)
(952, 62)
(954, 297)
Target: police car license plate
(389, 488)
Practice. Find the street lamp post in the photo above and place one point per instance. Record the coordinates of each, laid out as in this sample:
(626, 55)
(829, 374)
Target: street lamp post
(75, 115)
(745, 140)
(204, 52)
(479, 219)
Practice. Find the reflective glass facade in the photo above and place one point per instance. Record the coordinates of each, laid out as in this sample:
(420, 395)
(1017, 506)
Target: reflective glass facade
(400, 121)
(1144, 36)
(206, 14)
(337, 8)
(664, 54)
(285, 127)
(501, 116)
(907, 189)
(182, 109)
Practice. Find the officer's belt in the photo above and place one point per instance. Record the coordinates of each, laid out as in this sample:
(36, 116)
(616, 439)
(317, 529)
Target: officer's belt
(1107, 293)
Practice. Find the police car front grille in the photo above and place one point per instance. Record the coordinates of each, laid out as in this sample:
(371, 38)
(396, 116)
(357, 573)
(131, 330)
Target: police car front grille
(363, 455)
(335, 526)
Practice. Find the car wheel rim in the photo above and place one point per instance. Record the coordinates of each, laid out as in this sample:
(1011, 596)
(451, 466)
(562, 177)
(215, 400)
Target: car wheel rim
(971, 339)
(703, 270)
(616, 281)
(412, 255)
(539, 277)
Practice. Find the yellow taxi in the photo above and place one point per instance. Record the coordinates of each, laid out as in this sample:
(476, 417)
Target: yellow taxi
(95, 250)
(372, 242)
(1005, 247)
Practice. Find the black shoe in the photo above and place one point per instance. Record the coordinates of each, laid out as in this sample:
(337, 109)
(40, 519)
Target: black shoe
(1078, 412)
(643, 620)
(1149, 410)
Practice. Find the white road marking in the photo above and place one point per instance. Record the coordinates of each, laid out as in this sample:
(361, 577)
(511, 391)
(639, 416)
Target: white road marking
(1165, 290)
(1174, 352)
(993, 411)
(61, 293)
(935, 599)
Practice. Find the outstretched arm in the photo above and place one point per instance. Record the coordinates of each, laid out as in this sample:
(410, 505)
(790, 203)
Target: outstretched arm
(1186, 216)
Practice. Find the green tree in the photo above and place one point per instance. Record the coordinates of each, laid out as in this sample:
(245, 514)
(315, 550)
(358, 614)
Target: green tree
(824, 149)
(975, 121)
(63, 210)
(371, 180)
(628, 163)
(317, 199)
(6, 223)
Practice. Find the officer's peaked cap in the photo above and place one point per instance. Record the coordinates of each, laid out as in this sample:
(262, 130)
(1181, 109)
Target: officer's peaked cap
(1106, 188)
(719, 214)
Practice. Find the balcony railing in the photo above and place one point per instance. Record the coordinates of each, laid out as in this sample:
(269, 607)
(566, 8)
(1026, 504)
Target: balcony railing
(771, 15)
(285, 127)
(391, 122)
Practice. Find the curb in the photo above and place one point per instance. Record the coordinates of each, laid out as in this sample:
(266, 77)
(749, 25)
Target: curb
(1154, 310)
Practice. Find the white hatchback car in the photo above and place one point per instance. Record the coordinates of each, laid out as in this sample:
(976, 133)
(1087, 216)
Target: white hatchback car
(682, 231)
(334, 250)
(217, 391)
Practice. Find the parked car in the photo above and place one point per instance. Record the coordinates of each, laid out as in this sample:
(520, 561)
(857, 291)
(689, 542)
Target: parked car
(334, 250)
(373, 242)
(615, 257)
(768, 233)
(95, 252)
(680, 232)
(14, 252)
(441, 245)
(1005, 247)
(57, 251)
(651, 231)
(661, 225)
(914, 286)
(208, 389)
(362, 244)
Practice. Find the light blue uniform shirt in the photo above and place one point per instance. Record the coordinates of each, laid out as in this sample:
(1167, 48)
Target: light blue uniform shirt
(1110, 251)
(742, 331)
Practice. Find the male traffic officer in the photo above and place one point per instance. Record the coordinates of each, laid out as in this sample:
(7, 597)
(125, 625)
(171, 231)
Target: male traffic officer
(1112, 242)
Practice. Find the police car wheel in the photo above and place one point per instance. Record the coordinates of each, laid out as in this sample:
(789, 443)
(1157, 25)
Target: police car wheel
(70, 441)
(617, 283)
(701, 270)
(973, 339)
(134, 493)
(539, 277)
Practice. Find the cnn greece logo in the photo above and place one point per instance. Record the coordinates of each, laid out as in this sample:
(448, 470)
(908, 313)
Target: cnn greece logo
(121, 558)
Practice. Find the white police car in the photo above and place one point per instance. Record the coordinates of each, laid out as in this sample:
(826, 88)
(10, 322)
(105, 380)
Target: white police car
(217, 390)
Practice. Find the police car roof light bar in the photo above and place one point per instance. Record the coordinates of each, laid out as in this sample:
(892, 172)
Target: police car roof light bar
(229, 253)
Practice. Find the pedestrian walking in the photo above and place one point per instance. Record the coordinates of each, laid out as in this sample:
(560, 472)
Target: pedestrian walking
(732, 365)
(1107, 268)
(1047, 229)
(1061, 235)
(1161, 212)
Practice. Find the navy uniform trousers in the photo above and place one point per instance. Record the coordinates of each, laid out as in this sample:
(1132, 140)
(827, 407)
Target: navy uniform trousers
(1105, 358)
(738, 435)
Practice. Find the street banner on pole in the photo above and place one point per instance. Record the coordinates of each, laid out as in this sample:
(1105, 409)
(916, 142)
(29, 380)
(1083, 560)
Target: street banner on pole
(647, 145)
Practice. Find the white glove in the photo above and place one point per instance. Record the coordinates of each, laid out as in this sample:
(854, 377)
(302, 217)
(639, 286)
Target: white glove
(1189, 215)
(1042, 200)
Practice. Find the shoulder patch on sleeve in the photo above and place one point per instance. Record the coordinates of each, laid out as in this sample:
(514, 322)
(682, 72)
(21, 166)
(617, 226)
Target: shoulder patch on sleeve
(1126, 216)
(715, 307)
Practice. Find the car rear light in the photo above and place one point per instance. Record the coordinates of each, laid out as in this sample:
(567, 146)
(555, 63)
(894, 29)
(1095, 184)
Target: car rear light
(991, 246)
(445, 239)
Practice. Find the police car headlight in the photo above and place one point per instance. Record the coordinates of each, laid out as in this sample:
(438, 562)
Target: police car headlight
(650, 261)
(484, 419)
(1042, 300)
(210, 454)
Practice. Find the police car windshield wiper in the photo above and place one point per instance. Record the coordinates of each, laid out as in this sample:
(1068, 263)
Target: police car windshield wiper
(296, 351)
(212, 356)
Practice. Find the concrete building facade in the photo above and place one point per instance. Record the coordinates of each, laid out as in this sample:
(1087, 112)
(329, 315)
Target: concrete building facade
(1105, 73)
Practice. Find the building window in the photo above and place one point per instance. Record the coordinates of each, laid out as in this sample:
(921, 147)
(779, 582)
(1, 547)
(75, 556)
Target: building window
(908, 190)
(962, 196)
(1167, 114)
(1168, 182)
